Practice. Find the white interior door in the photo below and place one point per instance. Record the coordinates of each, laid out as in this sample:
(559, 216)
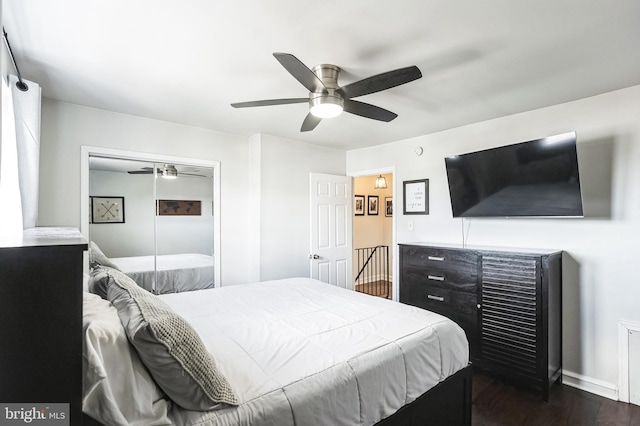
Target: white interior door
(331, 229)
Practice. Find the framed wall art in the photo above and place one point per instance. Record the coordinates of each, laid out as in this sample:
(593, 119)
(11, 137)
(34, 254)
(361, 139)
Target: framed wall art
(107, 209)
(358, 206)
(416, 196)
(373, 204)
(388, 206)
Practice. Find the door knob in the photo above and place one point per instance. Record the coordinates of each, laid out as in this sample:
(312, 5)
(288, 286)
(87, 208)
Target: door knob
(314, 256)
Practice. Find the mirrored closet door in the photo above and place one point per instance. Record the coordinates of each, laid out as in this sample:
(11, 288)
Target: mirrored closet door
(154, 221)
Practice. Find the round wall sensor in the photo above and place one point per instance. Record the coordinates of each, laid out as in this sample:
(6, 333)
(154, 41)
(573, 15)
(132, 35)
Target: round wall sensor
(418, 150)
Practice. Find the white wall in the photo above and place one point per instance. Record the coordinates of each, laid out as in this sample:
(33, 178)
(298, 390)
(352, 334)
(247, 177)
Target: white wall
(66, 127)
(285, 236)
(600, 266)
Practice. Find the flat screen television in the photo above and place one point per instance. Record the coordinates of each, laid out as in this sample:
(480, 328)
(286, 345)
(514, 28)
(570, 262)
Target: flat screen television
(537, 178)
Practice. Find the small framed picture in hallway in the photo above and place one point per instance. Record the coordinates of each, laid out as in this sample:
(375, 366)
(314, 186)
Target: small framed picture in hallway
(358, 207)
(373, 204)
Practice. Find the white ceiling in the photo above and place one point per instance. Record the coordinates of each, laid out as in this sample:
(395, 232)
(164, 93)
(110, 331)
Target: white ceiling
(186, 61)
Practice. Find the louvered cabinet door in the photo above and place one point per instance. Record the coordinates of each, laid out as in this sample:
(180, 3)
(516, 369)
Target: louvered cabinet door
(509, 321)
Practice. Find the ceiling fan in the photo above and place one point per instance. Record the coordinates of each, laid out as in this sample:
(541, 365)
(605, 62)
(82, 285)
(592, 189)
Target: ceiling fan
(168, 171)
(327, 99)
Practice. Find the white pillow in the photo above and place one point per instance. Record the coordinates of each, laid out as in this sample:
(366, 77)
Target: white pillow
(117, 388)
(97, 257)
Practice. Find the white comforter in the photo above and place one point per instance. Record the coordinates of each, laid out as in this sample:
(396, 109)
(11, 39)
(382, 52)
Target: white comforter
(301, 352)
(176, 272)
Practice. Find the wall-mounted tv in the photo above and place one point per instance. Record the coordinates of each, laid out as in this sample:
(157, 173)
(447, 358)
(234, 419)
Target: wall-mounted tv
(537, 178)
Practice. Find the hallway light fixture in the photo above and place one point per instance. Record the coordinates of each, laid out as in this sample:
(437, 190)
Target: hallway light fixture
(381, 183)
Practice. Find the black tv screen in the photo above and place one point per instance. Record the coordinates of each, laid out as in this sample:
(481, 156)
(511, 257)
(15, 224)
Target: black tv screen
(538, 178)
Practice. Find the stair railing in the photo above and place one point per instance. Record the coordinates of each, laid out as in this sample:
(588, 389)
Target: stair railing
(373, 271)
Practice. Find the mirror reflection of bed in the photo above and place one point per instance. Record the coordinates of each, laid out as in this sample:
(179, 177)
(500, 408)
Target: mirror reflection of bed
(172, 273)
(163, 249)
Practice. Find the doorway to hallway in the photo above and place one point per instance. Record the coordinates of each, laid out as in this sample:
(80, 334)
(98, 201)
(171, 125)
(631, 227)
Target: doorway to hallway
(373, 235)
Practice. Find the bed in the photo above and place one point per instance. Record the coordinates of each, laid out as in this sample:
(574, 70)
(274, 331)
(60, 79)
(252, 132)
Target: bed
(292, 352)
(175, 272)
(172, 273)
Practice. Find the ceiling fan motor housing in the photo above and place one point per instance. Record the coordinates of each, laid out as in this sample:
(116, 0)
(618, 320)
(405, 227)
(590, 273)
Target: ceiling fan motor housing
(328, 74)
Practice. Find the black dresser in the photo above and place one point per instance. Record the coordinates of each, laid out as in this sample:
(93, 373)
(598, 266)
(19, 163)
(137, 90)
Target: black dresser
(507, 300)
(41, 319)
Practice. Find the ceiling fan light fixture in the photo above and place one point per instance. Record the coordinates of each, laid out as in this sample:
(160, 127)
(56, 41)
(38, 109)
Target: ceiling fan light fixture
(169, 171)
(326, 106)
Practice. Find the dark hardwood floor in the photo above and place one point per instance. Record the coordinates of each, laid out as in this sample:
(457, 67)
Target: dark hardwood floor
(497, 403)
(376, 288)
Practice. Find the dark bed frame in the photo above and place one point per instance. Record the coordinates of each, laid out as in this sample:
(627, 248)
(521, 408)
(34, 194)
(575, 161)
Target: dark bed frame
(447, 404)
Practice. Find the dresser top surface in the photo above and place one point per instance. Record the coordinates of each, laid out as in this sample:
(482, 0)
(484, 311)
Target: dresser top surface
(44, 236)
(526, 250)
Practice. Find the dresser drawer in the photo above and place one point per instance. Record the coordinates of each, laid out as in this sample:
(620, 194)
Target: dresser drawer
(440, 258)
(438, 299)
(460, 307)
(460, 280)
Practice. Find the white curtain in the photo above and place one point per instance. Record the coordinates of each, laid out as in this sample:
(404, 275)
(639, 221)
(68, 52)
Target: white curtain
(19, 156)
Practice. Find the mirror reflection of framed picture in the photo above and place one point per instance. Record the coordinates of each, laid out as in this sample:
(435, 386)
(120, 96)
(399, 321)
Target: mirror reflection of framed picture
(373, 205)
(178, 207)
(416, 196)
(107, 209)
(358, 206)
(388, 206)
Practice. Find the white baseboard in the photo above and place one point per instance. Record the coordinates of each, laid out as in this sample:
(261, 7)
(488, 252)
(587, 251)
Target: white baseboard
(589, 384)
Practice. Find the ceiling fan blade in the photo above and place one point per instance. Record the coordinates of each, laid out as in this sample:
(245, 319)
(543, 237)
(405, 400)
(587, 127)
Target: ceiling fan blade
(299, 71)
(190, 174)
(143, 171)
(369, 111)
(380, 82)
(310, 122)
(269, 102)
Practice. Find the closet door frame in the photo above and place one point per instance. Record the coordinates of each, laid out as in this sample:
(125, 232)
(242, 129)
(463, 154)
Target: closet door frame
(88, 151)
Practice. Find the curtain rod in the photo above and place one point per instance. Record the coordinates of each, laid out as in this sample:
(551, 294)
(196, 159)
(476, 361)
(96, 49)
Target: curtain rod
(20, 84)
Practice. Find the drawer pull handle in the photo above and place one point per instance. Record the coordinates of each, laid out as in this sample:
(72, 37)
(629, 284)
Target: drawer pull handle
(438, 258)
(435, 278)
(438, 298)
